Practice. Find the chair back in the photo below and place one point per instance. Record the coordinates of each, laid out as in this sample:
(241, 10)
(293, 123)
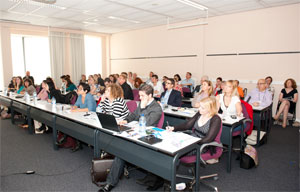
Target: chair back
(186, 90)
(136, 96)
(38, 89)
(131, 105)
(207, 155)
(247, 111)
(161, 120)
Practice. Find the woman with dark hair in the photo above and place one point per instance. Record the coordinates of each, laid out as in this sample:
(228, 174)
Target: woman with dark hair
(177, 77)
(85, 101)
(288, 98)
(69, 84)
(112, 78)
(28, 87)
(43, 94)
(53, 92)
(20, 85)
(12, 85)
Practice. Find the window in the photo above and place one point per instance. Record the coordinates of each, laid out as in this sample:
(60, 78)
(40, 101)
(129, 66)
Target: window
(93, 55)
(31, 53)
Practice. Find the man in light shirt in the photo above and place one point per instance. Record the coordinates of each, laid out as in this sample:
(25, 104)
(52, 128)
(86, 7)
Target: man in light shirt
(188, 82)
(260, 96)
(157, 86)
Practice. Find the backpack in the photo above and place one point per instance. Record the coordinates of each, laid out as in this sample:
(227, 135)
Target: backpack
(249, 157)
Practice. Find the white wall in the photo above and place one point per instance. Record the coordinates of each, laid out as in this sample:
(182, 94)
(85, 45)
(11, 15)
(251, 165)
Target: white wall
(266, 30)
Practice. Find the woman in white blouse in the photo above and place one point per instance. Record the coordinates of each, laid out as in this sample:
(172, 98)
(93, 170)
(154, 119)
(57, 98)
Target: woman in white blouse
(229, 100)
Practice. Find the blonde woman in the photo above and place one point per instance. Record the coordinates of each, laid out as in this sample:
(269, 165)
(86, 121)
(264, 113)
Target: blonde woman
(229, 100)
(206, 91)
(112, 102)
(205, 124)
(93, 85)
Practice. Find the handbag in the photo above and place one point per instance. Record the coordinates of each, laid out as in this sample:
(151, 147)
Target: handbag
(100, 169)
(249, 157)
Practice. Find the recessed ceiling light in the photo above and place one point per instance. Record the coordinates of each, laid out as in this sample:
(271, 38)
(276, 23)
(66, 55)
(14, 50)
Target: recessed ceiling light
(193, 4)
(39, 3)
(95, 20)
(123, 19)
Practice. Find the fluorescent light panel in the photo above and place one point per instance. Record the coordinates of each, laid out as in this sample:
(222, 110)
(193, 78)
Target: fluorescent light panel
(30, 2)
(122, 19)
(193, 4)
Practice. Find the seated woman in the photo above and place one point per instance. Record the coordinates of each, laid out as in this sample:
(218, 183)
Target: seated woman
(112, 102)
(205, 124)
(138, 82)
(28, 87)
(43, 94)
(288, 98)
(20, 86)
(54, 93)
(206, 91)
(229, 100)
(177, 87)
(69, 84)
(93, 85)
(18, 89)
(85, 101)
(12, 85)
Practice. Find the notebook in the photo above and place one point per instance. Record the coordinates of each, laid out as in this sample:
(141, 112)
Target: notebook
(109, 122)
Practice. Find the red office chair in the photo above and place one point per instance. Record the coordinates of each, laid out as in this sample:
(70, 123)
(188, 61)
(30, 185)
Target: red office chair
(131, 106)
(186, 89)
(191, 160)
(136, 96)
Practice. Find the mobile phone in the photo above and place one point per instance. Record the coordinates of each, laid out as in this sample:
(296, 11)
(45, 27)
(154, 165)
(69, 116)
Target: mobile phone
(233, 116)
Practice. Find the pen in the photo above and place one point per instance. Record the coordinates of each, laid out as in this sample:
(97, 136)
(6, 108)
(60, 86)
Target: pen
(168, 124)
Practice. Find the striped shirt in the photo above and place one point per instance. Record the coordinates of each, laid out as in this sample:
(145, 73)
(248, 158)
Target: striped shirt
(117, 108)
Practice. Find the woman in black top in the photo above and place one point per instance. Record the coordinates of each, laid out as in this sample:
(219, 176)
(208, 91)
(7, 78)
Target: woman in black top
(288, 98)
(205, 124)
(50, 87)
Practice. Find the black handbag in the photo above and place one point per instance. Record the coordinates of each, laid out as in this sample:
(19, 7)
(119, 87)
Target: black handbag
(100, 169)
(249, 157)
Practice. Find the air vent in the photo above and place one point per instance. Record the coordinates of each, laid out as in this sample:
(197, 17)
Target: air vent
(13, 21)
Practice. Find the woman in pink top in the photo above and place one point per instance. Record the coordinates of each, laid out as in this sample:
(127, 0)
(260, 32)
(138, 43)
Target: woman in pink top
(43, 94)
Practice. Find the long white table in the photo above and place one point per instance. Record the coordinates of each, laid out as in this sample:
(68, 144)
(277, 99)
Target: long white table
(160, 159)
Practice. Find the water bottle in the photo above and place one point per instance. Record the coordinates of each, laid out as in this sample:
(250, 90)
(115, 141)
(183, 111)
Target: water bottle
(98, 109)
(27, 97)
(53, 101)
(34, 97)
(5, 91)
(142, 124)
(162, 102)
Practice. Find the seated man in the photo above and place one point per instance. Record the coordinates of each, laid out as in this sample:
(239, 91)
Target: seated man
(157, 86)
(188, 82)
(171, 96)
(152, 111)
(260, 96)
(128, 94)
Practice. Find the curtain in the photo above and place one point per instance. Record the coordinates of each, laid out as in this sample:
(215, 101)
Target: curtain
(77, 56)
(57, 55)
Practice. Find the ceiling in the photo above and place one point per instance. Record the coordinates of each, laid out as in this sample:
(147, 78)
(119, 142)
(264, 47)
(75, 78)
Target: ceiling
(113, 16)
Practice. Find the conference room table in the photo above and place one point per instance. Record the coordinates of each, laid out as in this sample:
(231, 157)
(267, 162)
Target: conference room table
(86, 127)
(228, 126)
(262, 115)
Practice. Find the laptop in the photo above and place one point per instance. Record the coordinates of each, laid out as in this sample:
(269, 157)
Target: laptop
(109, 122)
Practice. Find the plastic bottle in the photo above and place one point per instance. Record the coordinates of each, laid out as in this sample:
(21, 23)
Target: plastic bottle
(98, 109)
(27, 97)
(34, 97)
(53, 101)
(142, 124)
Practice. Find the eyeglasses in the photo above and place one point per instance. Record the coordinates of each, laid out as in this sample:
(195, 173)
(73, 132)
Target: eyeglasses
(261, 83)
(168, 83)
